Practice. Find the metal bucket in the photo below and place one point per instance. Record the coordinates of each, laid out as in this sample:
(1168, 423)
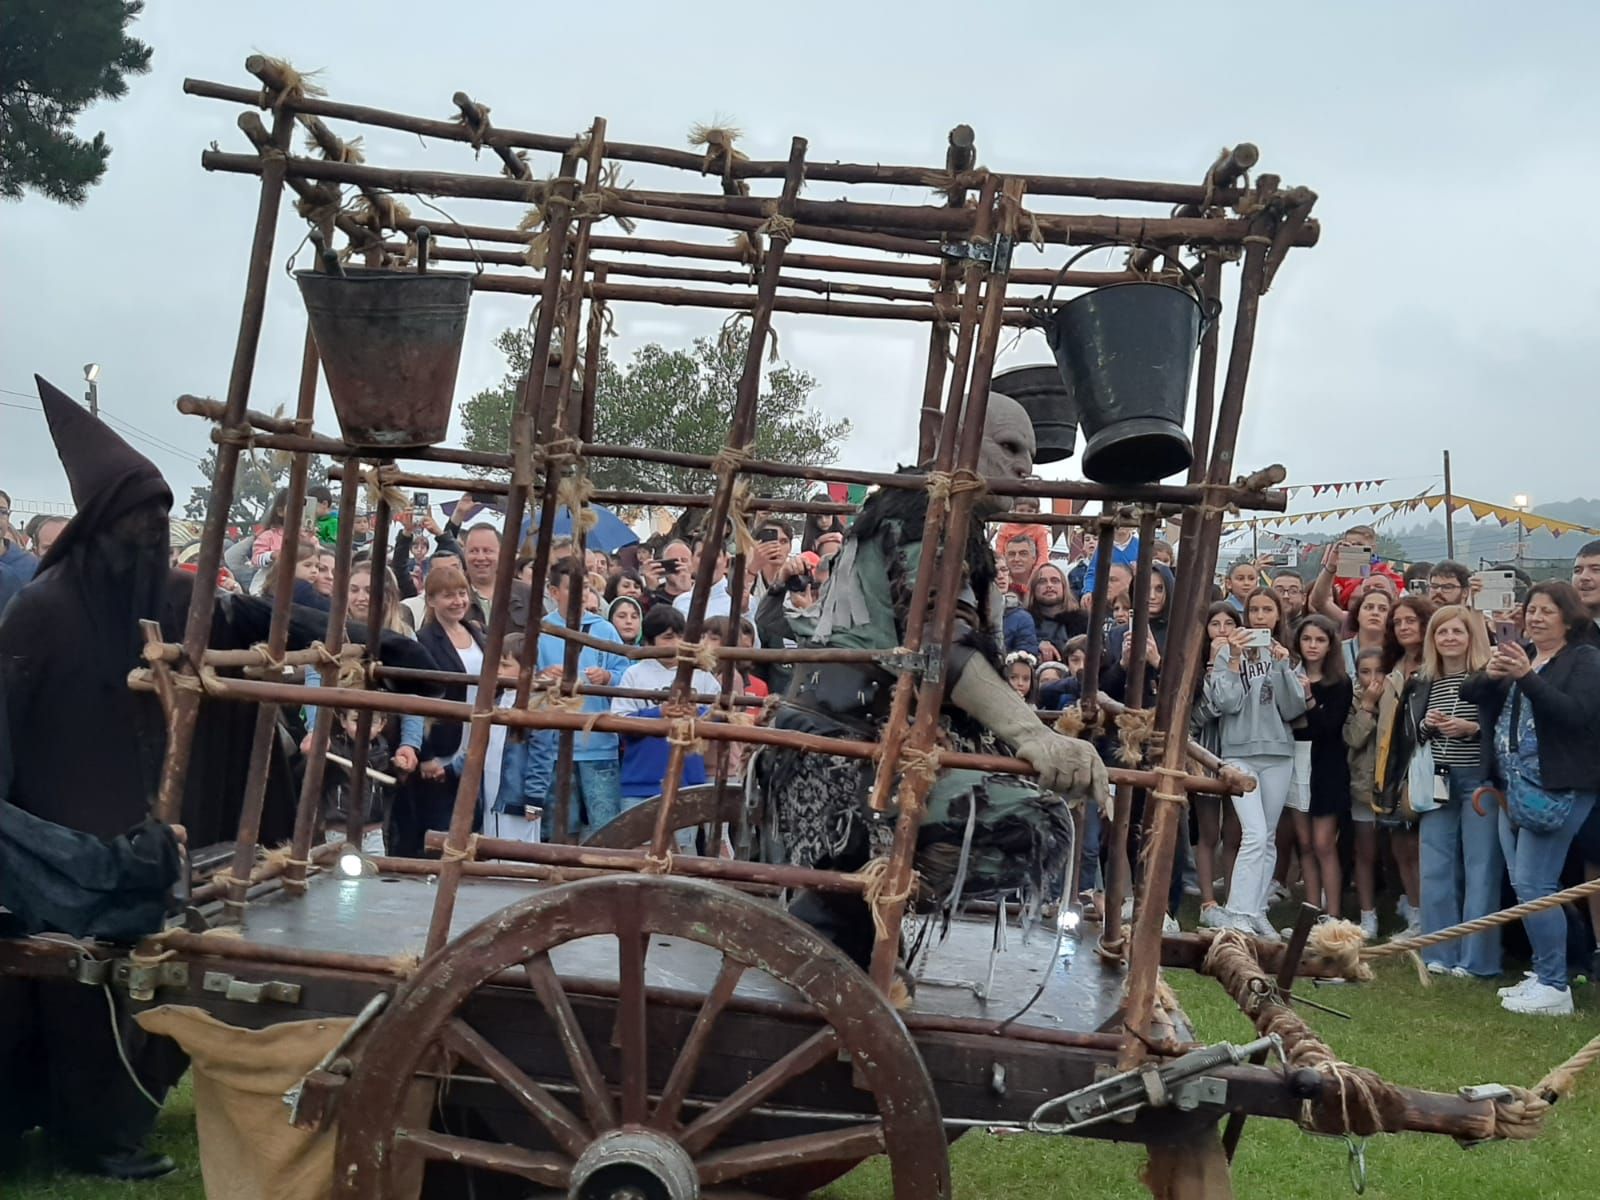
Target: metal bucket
(1126, 354)
(1040, 390)
(390, 343)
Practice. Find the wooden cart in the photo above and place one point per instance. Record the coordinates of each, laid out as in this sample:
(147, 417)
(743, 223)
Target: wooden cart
(616, 1019)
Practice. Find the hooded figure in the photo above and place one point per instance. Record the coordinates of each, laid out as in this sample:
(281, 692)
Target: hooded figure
(85, 752)
(1018, 831)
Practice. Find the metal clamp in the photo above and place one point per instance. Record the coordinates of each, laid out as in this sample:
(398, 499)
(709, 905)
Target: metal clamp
(92, 971)
(928, 664)
(248, 992)
(143, 979)
(996, 255)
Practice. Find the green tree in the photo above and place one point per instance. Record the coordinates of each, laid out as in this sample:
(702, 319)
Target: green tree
(56, 58)
(674, 399)
(260, 477)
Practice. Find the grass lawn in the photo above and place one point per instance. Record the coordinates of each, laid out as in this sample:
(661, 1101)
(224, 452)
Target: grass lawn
(1451, 1034)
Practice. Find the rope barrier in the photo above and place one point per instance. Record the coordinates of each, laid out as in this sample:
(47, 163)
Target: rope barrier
(1477, 925)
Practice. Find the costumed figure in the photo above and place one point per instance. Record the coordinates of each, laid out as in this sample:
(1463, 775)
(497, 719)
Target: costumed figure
(82, 755)
(983, 834)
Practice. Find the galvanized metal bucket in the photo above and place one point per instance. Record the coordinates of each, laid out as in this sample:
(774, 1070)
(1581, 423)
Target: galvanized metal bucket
(390, 344)
(1042, 392)
(1126, 354)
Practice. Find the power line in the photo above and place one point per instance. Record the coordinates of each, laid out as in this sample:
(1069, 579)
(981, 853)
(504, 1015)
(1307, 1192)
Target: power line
(117, 422)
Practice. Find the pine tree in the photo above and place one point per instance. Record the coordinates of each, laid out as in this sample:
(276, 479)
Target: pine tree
(56, 58)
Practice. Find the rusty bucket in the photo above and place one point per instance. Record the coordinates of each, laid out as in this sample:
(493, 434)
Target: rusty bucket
(390, 343)
(1044, 395)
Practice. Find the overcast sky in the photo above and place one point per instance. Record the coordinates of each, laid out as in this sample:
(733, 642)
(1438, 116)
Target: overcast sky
(1448, 304)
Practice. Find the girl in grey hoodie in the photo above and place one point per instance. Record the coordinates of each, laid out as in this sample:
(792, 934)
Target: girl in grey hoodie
(1255, 694)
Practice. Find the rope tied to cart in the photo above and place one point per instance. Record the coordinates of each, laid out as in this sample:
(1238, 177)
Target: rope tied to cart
(241, 436)
(575, 493)
(876, 893)
(1181, 795)
(777, 226)
(468, 853)
(1402, 946)
(944, 485)
(699, 654)
(349, 670)
(561, 452)
(1135, 726)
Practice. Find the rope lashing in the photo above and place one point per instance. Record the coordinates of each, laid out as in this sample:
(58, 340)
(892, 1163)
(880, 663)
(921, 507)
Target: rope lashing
(943, 485)
(918, 764)
(475, 118)
(575, 493)
(381, 487)
(1365, 1103)
(1134, 727)
(744, 539)
(685, 734)
(241, 436)
(778, 227)
(551, 699)
(469, 853)
(1181, 795)
(699, 654)
(561, 452)
(658, 865)
(878, 897)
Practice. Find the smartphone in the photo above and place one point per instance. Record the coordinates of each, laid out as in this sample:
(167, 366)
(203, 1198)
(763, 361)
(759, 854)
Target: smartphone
(1496, 590)
(1505, 633)
(770, 534)
(1354, 562)
(419, 500)
(1417, 587)
(1258, 639)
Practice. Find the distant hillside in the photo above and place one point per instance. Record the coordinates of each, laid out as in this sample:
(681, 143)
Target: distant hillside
(1425, 540)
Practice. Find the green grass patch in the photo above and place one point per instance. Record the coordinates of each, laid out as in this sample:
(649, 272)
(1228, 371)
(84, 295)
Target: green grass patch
(1441, 1037)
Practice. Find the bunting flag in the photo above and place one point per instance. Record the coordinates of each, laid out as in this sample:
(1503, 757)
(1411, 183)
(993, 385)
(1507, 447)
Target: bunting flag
(1481, 510)
(1337, 487)
(845, 493)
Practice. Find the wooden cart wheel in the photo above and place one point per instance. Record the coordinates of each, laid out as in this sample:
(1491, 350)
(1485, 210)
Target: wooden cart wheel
(697, 805)
(643, 1130)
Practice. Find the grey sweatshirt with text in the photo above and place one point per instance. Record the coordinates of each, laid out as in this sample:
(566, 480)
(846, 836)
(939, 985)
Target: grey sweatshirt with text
(1254, 707)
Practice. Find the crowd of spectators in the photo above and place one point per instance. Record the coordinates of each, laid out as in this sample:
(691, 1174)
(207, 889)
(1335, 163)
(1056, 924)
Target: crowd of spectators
(1400, 741)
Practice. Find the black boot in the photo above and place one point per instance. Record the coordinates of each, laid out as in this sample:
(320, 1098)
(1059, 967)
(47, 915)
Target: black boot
(131, 1166)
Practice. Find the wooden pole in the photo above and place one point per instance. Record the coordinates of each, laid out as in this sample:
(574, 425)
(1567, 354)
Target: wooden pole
(1184, 660)
(1133, 696)
(946, 526)
(531, 401)
(741, 439)
(264, 737)
(236, 433)
(960, 156)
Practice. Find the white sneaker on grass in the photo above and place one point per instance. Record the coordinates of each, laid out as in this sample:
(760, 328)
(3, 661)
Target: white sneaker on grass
(1369, 925)
(1214, 916)
(1438, 968)
(1540, 1000)
(1516, 989)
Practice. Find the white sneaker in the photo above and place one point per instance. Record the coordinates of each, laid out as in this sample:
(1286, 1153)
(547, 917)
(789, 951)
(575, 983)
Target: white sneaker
(1413, 927)
(1460, 972)
(1540, 1000)
(1169, 925)
(1214, 916)
(1438, 968)
(1369, 925)
(1258, 924)
(1278, 895)
(1516, 989)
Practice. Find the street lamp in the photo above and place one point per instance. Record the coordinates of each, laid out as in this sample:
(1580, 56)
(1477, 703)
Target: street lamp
(91, 376)
(1520, 503)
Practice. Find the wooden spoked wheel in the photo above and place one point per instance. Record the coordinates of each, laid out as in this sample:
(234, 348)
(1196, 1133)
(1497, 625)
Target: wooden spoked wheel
(697, 805)
(642, 1100)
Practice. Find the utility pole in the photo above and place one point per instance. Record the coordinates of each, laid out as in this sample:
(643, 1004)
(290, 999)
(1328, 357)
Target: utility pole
(1449, 512)
(1521, 502)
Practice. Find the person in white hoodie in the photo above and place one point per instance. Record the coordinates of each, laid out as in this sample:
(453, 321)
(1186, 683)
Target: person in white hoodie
(1255, 694)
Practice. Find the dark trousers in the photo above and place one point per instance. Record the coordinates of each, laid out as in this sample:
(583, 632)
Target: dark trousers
(60, 1071)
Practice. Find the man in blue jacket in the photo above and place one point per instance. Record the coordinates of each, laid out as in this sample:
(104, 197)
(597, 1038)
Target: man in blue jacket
(596, 771)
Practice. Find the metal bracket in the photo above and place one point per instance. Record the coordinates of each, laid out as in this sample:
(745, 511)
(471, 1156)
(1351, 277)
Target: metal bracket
(928, 664)
(996, 255)
(247, 992)
(1486, 1091)
(143, 979)
(92, 971)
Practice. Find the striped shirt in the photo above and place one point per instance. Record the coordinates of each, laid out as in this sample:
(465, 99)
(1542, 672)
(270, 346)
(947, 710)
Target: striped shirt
(1444, 695)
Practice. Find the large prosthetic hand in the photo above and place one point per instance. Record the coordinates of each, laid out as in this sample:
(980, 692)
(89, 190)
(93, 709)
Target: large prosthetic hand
(1068, 766)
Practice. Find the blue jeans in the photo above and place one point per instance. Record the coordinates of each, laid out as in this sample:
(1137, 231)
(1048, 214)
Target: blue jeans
(1536, 860)
(598, 788)
(1461, 868)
